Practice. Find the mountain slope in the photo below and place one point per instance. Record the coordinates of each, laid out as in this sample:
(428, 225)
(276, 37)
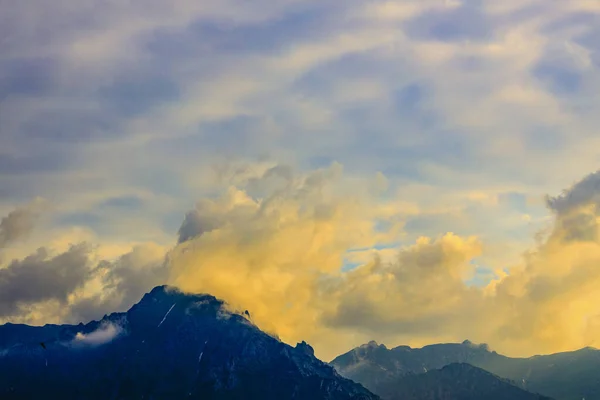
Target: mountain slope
(168, 346)
(455, 382)
(563, 376)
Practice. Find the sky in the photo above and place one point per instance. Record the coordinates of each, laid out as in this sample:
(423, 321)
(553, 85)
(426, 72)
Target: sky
(402, 171)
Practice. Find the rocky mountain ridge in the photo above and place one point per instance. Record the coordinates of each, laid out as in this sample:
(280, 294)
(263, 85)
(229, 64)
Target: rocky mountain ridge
(562, 376)
(170, 345)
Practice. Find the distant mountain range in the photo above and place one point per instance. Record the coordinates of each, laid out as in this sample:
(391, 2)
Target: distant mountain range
(455, 382)
(563, 376)
(168, 346)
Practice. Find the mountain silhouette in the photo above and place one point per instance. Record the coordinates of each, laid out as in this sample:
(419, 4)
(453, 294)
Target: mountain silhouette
(562, 376)
(170, 345)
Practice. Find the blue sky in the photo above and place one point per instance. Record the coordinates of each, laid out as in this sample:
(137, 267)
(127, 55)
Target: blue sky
(448, 115)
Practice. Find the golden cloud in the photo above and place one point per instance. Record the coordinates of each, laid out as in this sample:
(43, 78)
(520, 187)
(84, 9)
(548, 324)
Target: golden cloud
(281, 256)
(275, 242)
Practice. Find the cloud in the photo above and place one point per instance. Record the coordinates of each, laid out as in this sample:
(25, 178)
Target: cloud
(270, 253)
(210, 215)
(18, 224)
(400, 87)
(452, 24)
(281, 256)
(41, 277)
(122, 115)
(584, 192)
(277, 243)
(420, 289)
(577, 210)
(265, 258)
(125, 202)
(116, 285)
(66, 282)
(105, 333)
(544, 303)
(206, 217)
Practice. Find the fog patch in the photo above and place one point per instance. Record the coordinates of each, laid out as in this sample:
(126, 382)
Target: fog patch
(104, 334)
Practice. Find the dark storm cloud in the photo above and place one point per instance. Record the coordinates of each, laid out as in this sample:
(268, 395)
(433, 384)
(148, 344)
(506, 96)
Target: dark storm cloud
(40, 277)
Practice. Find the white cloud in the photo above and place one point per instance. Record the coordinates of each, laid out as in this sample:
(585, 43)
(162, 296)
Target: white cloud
(105, 333)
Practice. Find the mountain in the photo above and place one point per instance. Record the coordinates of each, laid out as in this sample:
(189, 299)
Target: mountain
(170, 345)
(455, 382)
(562, 376)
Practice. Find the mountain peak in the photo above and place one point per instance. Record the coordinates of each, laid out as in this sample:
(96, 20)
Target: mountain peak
(157, 294)
(169, 345)
(480, 346)
(305, 348)
(373, 345)
(163, 291)
(166, 294)
(162, 288)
